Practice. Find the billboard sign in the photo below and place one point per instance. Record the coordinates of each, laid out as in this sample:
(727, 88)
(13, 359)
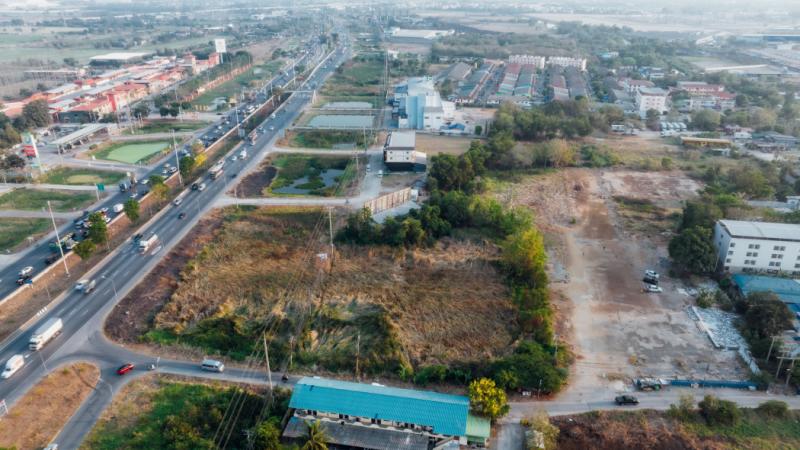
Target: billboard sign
(219, 45)
(29, 145)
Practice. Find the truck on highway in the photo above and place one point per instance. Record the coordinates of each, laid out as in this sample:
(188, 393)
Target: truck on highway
(67, 243)
(216, 170)
(12, 366)
(146, 242)
(45, 333)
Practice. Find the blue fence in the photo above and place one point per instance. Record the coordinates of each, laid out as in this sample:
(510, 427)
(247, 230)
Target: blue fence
(714, 384)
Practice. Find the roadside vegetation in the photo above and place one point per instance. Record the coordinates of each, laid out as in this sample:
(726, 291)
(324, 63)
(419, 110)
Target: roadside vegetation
(709, 424)
(166, 412)
(36, 200)
(14, 231)
(313, 169)
(39, 415)
(330, 139)
(69, 175)
(166, 127)
(132, 152)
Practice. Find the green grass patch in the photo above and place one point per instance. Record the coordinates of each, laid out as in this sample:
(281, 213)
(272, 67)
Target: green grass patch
(76, 176)
(132, 152)
(355, 80)
(293, 167)
(329, 138)
(35, 199)
(14, 231)
(166, 127)
(175, 414)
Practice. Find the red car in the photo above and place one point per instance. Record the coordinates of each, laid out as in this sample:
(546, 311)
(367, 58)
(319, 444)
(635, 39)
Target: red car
(125, 368)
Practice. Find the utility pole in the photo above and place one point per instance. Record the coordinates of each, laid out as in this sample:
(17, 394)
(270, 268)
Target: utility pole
(266, 356)
(177, 160)
(358, 353)
(769, 353)
(58, 239)
(330, 230)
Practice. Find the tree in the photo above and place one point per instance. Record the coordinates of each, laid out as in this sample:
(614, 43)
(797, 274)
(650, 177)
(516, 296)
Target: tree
(109, 118)
(12, 161)
(37, 114)
(524, 258)
(267, 435)
(705, 120)
(766, 315)
(315, 437)
(187, 165)
(98, 230)
(131, 208)
(486, 399)
(478, 130)
(72, 62)
(540, 423)
(652, 117)
(85, 248)
(163, 111)
(197, 146)
(692, 251)
(141, 110)
(719, 412)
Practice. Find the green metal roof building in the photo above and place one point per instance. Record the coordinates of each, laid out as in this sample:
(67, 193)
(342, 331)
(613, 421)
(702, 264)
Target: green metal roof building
(377, 407)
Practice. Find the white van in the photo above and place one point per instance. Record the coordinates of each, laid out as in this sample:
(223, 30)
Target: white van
(118, 208)
(12, 366)
(212, 365)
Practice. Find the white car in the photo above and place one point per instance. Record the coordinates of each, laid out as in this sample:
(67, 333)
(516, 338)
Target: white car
(80, 285)
(234, 158)
(653, 288)
(26, 271)
(651, 274)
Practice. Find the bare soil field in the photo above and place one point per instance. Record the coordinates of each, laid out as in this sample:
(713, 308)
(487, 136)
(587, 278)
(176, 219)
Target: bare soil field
(617, 331)
(36, 419)
(433, 144)
(440, 305)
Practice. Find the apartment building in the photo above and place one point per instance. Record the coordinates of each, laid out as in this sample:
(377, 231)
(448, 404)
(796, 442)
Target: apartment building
(651, 98)
(754, 247)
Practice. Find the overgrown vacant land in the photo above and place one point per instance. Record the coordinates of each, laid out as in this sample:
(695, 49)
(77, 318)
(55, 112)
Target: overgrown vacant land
(769, 426)
(36, 419)
(301, 175)
(441, 305)
(169, 412)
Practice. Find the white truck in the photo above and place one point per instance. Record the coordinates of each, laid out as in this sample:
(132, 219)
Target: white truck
(45, 333)
(147, 242)
(12, 366)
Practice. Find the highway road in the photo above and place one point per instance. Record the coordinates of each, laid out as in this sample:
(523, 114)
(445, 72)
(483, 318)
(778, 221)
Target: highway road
(36, 255)
(119, 272)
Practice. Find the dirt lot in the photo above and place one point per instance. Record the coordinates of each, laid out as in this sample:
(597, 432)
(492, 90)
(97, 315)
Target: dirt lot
(436, 305)
(433, 144)
(617, 330)
(36, 419)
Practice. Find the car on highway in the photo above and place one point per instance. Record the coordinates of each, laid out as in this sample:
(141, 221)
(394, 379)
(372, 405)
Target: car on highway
(173, 170)
(52, 258)
(80, 285)
(626, 400)
(125, 368)
(26, 271)
(181, 215)
(22, 279)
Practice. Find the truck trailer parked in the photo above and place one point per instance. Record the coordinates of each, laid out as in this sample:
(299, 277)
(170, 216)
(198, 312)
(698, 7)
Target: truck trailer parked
(45, 333)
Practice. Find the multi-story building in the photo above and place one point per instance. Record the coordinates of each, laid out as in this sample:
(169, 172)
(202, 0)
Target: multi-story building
(566, 61)
(700, 87)
(399, 152)
(536, 61)
(651, 98)
(419, 105)
(757, 247)
(720, 101)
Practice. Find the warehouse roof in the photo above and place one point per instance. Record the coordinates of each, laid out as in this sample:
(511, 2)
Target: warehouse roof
(788, 290)
(402, 140)
(445, 414)
(762, 230)
(119, 56)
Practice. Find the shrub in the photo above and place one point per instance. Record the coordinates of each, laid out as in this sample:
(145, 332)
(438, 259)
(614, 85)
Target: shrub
(774, 408)
(719, 412)
(430, 374)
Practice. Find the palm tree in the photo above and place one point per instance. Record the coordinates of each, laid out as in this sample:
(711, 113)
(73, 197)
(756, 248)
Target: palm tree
(315, 438)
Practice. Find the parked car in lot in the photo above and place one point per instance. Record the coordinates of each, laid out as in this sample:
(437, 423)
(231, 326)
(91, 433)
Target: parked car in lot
(653, 288)
(626, 400)
(125, 368)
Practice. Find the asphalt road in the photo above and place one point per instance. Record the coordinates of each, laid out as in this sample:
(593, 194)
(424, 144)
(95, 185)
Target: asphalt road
(35, 256)
(84, 314)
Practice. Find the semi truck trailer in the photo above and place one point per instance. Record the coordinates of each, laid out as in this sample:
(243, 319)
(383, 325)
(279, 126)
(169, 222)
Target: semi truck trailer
(45, 333)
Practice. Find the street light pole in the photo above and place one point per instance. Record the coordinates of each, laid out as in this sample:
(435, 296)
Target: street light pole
(58, 239)
(177, 160)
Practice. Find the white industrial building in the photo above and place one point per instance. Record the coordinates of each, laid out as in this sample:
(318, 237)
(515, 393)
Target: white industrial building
(419, 106)
(399, 152)
(651, 98)
(757, 247)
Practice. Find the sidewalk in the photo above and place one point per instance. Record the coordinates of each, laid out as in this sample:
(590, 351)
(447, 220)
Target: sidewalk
(61, 187)
(26, 214)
